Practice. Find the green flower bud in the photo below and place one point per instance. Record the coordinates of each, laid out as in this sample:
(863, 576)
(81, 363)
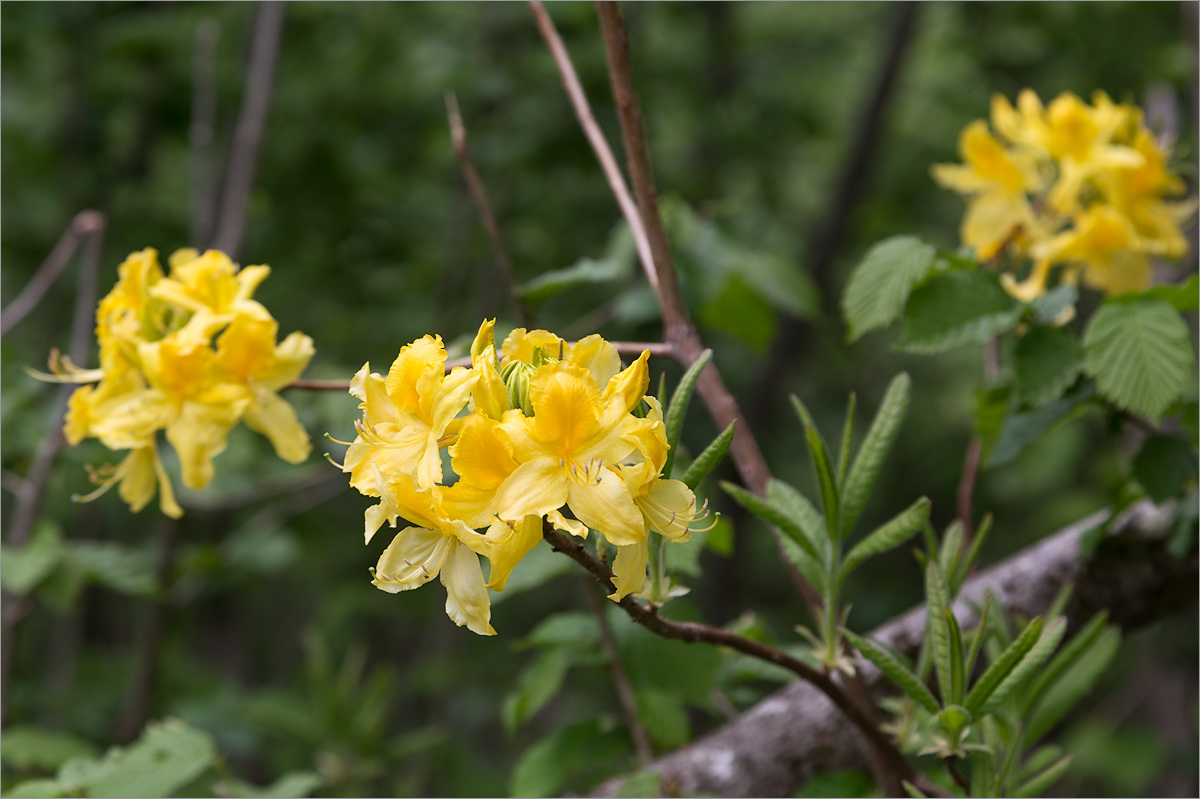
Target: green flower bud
(516, 375)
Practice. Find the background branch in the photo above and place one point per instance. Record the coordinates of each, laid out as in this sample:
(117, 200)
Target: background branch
(83, 225)
(796, 733)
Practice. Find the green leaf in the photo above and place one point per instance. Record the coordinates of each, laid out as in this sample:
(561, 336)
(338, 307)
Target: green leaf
(1140, 354)
(1038, 785)
(996, 673)
(670, 666)
(847, 441)
(957, 679)
(616, 265)
(875, 447)
(769, 512)
(813, 571)
(956, 308)
(890, 535)
(785, 497)
(536, 686)
(1075, 683)
(1048, 307)
(1048, 360)
(36, 789)
(896, 671)
(937, 597)
(1183, 297)
(677, 410)
(1165, 466)
(709, 458)
(293, 784)
(1020, 430)
(950, 552)
(544, 768)
(569, 628)
(539, 567)
(22, 569)
(980, 634)
(1025, 671)
(122, 568)
(641, 784)
(166, 757)
(664, 717)
(879, 286)
(1080, 643)
(35, 748)
(964, 567)
(823, 466)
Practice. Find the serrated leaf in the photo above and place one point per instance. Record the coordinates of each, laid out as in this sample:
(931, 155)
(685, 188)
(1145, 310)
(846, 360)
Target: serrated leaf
(1021, 429)
(896, 671)
(1048, 360)
(664, 717)
(1165, 466)
(888, 536)
(937, 599)
(677, 410)
(536, 686)
(879, 286)
(1001, 667)
(875, 447)
(36, 789)
(963, 306)
(769, 512)
(1183, 297)
(166, 757)
(1075, 683)
(1038, 785)
(1140, 354)
(709, 458)
(823, 466)
(29, 748)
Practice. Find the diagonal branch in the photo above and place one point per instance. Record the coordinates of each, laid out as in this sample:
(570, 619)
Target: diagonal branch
(85, 224)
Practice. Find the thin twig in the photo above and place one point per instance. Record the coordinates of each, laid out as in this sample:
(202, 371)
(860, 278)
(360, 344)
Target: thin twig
(959, 779)
(92, 224)
(694, 632)
(201, 134)
(973, 457)
(596, 138)
(84, 224)
(620, 680)
(458, 138)
(239, 175)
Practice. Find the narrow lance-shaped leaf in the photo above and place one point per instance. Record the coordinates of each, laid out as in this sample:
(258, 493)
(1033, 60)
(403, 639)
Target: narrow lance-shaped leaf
(980, 633)
(1002, 667)
(709, 458)
(895, 532)
(896, 671)
(1061, 695)
(951, 550)
(1070, 654)
(1041, 651)
(1038, 785)
(937, 596)
(957, 687)
(823, 467)
(812, 570)
(964, 567)
(799, 509)
(847, 441)
(679, 405)
(869, 460)
(768, 512)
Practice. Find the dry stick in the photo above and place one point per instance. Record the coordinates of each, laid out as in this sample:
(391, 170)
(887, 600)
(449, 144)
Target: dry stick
(201, 133)
(694, 632)
(84, 224)
(92, 223)
(595, 137)
(239, 175)
(973, 458)
(458, 138)
(620, 680)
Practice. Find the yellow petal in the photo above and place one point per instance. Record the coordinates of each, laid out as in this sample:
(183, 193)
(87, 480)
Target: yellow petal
(138, 480)
(166, 493)
(672, 507)
(509, 543)
(247, 347)
(629, 570)
(535, 488)
(486, 337)
(572, 526)
(272, 416)
(475, 507)
(520, 344)
(489, 393)
(198, 435)
(412, 559)
(292, 356)
(630, 386)
(605, 505)
(77, 422)
(566, 404)
(598, 356)
(444, 398)
(467, 602)
(376, 405)
(481, 455)
(424, 358)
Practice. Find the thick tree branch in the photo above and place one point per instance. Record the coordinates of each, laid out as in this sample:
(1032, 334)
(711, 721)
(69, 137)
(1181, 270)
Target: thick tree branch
(797, 732)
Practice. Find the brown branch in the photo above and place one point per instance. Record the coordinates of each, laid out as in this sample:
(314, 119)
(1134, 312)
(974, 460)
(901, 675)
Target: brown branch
(239, 174)
(458, 138)
(795, 733)
(620, 680)
(973, 458)
(694, 632)
(595, 137)
(29, 494)
(83, 225)
(201, 133)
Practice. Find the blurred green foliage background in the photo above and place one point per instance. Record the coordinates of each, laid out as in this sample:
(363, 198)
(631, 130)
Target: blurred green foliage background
(266, 632)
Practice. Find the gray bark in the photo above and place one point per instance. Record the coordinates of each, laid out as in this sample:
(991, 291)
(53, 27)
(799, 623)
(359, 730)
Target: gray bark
(796, 733)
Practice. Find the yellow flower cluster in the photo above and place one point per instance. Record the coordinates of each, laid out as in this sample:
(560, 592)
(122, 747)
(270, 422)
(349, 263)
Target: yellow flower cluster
(1080, 186)
(190, 353)
(550, 436)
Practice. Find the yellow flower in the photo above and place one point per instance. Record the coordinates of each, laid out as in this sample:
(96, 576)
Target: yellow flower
(1103, 246)
(407, 417)
(435, 545)
(566, 450)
